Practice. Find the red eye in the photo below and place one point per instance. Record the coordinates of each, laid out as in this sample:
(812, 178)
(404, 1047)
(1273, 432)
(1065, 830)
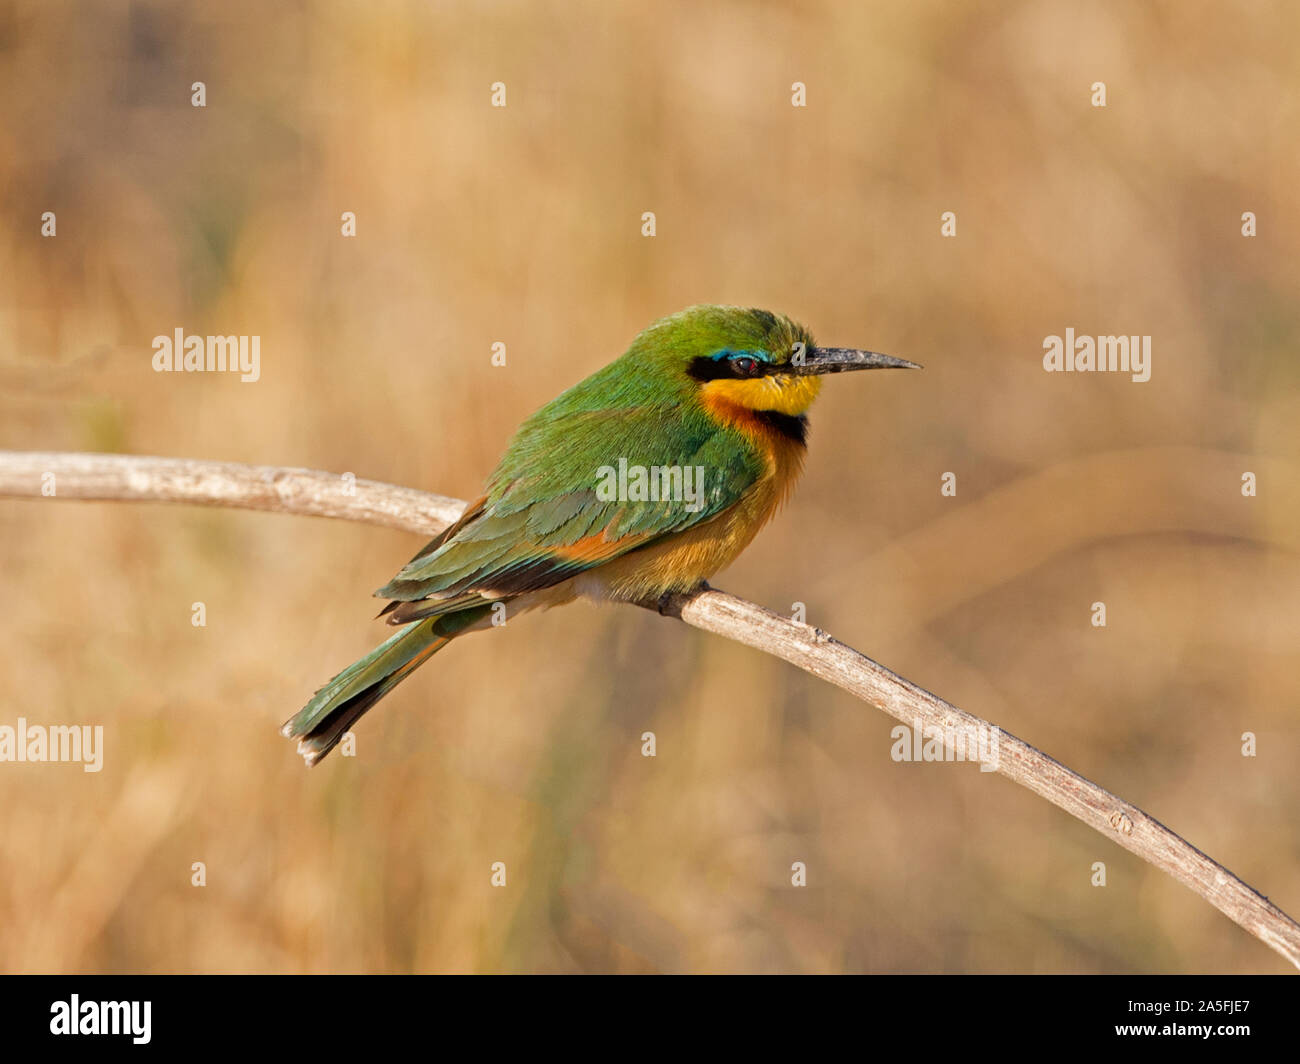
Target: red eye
(744, 366)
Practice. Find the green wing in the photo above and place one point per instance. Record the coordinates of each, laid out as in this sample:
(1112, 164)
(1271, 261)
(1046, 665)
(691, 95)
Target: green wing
(548, 516)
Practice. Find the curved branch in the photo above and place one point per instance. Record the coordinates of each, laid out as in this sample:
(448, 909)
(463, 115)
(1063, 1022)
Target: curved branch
(303, 491)
(120, 477)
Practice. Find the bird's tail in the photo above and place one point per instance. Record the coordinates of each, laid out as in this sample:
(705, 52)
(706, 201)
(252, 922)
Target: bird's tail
(322, 722)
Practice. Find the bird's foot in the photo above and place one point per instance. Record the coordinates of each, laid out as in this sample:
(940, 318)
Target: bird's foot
(665, 600)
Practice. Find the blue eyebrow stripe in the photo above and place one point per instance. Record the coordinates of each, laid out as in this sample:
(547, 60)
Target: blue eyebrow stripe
(727, 352)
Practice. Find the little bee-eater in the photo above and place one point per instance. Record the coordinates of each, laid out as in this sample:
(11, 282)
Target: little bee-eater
(706, 409)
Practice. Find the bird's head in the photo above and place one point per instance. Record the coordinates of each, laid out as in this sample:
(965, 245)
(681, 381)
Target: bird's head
(749, 359)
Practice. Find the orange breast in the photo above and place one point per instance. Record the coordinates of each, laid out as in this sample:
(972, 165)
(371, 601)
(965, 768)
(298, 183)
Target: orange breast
(681, 561)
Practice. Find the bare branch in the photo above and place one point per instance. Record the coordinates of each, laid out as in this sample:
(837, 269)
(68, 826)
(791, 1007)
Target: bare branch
(304, 491)
(294, 491)
(827, 658)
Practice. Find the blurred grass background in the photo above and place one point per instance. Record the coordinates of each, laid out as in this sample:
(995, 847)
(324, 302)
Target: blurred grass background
(522, 225)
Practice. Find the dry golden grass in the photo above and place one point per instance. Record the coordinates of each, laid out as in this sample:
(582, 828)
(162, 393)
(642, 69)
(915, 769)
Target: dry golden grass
(522, 225)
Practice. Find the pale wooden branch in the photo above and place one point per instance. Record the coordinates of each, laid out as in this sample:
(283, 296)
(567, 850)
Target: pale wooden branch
(67, 475)
(302, 491)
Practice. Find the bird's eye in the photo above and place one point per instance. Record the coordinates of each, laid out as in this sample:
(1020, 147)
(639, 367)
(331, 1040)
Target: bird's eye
(744, 366)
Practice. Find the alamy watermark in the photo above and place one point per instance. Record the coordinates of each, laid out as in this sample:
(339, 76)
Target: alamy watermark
(57, 742)
(208, 354)
(75, 1016)
(964, 742)
(638, 483)
(1099, 354)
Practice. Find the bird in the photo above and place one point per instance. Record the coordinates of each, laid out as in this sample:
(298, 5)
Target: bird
(641, 481)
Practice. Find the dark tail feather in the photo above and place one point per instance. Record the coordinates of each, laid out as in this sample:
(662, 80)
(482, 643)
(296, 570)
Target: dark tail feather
(332, 711)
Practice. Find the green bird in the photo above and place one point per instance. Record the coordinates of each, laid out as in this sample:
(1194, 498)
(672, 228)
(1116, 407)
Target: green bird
(642, 480)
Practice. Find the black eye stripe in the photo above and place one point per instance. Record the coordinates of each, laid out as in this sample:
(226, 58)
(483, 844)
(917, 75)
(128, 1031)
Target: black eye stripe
(740, 364)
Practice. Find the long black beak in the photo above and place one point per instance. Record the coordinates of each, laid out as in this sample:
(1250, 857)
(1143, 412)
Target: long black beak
(841, 360)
